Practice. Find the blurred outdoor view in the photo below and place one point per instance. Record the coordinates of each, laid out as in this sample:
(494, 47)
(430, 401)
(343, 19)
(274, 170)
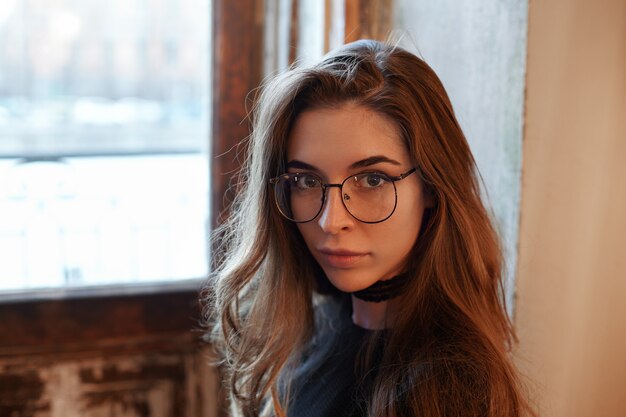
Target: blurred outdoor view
(104, 112)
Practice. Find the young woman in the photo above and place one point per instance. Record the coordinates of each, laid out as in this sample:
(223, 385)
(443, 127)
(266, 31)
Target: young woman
(359, 273)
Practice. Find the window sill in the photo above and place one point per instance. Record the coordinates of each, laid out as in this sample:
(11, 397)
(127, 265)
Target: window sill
(97, 291)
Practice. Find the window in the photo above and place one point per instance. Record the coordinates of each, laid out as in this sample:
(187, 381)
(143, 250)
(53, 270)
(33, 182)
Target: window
(104, 110)
(126, 349)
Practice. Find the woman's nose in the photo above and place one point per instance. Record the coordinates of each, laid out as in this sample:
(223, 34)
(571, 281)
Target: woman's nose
(334, 216)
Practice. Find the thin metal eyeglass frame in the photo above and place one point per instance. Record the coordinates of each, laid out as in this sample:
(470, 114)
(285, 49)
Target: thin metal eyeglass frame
(274, 181)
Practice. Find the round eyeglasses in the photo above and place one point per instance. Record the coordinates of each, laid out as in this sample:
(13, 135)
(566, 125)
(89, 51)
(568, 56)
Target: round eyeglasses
(369, 197)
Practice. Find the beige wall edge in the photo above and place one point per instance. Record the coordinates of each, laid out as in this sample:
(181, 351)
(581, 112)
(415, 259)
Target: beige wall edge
(571, 295)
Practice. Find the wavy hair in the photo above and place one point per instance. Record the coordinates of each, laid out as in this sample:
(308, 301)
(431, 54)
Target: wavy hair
(448, 351)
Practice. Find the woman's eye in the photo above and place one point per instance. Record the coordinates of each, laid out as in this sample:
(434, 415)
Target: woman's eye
(371, 180)
(306, 181)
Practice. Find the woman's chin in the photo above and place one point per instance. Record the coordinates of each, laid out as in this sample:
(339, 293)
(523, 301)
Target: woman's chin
(349, 282)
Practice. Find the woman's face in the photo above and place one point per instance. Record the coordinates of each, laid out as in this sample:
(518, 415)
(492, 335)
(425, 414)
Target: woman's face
(338, 142)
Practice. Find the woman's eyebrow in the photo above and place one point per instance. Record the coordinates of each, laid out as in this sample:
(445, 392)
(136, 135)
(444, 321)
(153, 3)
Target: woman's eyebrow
(372, 160)
(294, 163)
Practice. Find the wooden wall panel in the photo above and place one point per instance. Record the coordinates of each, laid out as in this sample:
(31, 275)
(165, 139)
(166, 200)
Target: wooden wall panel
(124, 357)
(148, 385)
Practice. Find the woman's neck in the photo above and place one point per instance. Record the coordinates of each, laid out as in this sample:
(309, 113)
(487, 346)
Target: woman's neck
(371, 315)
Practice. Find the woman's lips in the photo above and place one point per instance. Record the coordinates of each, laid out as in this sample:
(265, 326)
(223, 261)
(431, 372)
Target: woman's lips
(340, 258)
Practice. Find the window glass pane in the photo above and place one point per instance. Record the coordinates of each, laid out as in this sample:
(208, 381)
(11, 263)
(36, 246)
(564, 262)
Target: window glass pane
(103, 137)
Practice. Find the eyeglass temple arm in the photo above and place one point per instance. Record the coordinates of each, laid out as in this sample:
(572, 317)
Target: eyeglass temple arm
(404, 175)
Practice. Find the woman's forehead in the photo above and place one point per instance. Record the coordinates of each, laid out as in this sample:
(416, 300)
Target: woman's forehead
(343, 136)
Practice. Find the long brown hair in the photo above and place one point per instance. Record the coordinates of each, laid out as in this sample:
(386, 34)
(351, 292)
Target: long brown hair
(447, 353)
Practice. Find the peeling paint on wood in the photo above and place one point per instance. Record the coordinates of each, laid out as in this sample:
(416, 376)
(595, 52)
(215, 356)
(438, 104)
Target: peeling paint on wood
(89, 365)
(137, 386)
(21, 394)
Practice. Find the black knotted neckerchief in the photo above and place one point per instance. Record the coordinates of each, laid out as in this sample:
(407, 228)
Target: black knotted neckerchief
(383, 290)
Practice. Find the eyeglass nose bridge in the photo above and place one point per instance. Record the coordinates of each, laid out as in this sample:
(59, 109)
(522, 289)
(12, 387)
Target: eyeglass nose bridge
(344, 197)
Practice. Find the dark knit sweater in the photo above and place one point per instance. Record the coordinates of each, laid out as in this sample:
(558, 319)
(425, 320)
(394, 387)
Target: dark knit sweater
(328, 383)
